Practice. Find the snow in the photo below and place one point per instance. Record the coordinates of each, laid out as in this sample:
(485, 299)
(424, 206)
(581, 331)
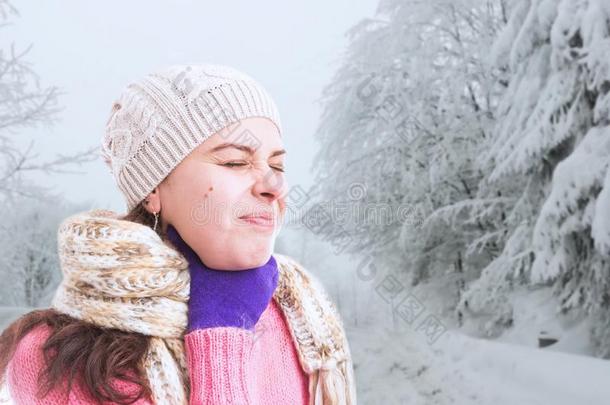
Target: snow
(400, 368)
(509, 374)
(574, 177)
(535, 311)
(600, 228)
(395, 364)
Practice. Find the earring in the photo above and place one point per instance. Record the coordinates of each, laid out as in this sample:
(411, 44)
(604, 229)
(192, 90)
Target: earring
(156, 221)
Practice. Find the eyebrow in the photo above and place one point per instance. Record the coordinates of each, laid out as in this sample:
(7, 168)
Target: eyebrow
(243, 148)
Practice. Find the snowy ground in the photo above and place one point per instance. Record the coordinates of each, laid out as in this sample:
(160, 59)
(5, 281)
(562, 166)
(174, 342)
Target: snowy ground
(401, 368)
(396, 364)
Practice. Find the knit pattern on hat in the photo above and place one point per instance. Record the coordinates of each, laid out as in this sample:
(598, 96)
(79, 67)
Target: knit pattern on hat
(157, 121)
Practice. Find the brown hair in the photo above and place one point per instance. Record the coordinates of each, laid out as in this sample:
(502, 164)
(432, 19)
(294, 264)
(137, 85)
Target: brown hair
(94, 356)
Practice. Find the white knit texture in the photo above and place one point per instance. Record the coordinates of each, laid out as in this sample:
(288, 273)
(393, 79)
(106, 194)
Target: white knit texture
(157, 121)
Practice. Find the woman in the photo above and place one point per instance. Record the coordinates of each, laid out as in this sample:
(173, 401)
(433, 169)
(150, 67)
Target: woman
(182, 300)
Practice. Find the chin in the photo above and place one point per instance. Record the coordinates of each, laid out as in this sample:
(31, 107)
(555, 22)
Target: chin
(256, 259)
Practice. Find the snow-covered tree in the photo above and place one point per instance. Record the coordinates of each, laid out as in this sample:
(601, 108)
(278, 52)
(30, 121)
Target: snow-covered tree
(549, 157)
(403, 124)
(28, 249)
(572, 232)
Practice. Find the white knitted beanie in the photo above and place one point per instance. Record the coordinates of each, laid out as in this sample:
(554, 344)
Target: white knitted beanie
(157, 121)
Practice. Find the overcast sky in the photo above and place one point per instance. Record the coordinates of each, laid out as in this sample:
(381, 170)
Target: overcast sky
(91, 50)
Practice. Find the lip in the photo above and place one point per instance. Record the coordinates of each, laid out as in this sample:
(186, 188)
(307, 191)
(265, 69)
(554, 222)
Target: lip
(260, 220)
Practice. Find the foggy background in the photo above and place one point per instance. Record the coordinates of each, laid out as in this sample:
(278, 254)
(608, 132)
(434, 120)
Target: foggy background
(448, 163)
(91, 51)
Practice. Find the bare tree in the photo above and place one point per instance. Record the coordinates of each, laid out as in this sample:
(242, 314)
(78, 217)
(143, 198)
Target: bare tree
(30, 213)
(24, 103)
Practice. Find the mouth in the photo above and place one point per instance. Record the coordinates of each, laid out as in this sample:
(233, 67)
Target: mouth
(265, 220)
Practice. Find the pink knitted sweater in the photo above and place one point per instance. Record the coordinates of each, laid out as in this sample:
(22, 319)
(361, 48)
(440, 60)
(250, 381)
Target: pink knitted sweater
(226, 365)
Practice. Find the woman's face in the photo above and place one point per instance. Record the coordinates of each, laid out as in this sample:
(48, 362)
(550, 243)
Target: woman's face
(214, 196)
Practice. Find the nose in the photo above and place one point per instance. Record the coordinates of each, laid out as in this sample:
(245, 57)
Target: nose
(270, 184)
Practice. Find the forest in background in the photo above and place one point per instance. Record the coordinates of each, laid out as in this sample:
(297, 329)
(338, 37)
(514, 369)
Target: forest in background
(464, 149)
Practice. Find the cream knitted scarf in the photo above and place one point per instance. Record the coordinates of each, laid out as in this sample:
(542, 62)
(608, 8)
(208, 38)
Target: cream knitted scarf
(120, 274)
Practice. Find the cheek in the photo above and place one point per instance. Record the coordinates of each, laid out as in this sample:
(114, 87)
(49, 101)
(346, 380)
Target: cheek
(190, 191)
(209, 197)
(217, 206)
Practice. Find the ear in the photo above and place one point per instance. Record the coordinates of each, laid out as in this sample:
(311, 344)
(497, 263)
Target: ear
(152, 202)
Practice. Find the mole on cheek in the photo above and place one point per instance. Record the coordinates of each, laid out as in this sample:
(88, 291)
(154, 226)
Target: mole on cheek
(206, 194)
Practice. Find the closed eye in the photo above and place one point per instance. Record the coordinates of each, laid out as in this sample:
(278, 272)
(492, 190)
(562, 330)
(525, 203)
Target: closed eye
(234, 164)
(238, 164)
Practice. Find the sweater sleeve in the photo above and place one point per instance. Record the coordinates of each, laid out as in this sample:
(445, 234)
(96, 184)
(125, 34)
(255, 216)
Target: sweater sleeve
(219, 366)
(25, 366)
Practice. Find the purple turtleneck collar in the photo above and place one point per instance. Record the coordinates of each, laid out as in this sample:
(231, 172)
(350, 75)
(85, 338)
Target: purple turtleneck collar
(225, 297)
